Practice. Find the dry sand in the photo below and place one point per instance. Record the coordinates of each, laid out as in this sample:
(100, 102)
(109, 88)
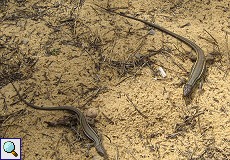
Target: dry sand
(59, 54)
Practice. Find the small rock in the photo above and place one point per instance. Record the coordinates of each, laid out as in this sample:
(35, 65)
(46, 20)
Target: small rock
(152, 32)
(25, 41)
(91, 112)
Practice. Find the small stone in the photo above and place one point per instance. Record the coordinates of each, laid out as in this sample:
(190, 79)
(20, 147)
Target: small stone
(91, 112)
(25, 41)
(152, 32)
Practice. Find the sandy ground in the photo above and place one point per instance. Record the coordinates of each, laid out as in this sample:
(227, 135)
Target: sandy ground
(58, 54)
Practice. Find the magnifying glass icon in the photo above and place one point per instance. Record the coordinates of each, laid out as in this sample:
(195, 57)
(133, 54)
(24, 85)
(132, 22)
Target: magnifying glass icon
(9, 147)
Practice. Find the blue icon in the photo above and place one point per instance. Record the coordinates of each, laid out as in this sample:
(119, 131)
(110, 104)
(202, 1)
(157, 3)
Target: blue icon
(9, 147)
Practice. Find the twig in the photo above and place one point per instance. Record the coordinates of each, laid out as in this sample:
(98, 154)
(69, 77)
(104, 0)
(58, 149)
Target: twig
(91, 98)
(216, 43)
(228, 53)
(108, 119)
(129, 100)
(58, 80)
(177, 64)
(122, 80)
(140, 46)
